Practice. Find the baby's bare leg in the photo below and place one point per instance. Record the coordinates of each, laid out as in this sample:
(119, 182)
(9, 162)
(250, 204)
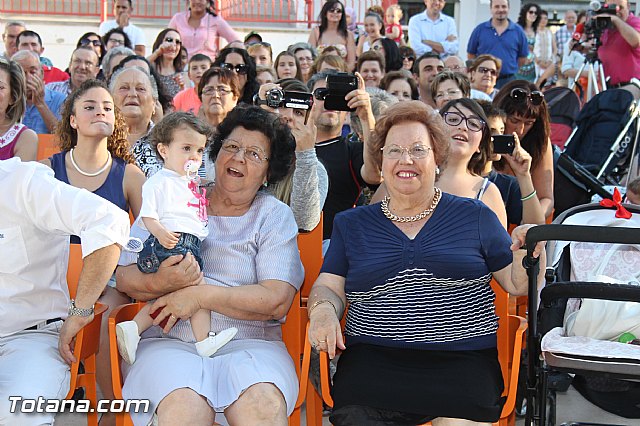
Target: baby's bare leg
(143, 319)
(201, 324)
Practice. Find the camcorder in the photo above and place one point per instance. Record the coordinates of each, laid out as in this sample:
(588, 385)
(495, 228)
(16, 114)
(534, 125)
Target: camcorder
(277, 98)
(596, 24)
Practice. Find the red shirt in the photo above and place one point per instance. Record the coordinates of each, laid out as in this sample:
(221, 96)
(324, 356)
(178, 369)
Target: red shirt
(621, 62)
(52, 74)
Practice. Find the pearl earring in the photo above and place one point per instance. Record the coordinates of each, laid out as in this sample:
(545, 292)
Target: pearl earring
(265, 184)
(437, 170)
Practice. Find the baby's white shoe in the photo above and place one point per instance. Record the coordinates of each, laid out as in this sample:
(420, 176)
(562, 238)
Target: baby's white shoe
(128, 337)
(211, 344)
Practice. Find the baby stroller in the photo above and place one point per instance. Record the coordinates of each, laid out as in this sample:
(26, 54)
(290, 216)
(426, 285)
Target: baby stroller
(579, 271)
(564, 106)
(599, 151)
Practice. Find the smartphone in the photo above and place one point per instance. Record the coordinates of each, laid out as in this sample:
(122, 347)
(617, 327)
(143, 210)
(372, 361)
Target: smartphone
(503, 144)
(338, 85)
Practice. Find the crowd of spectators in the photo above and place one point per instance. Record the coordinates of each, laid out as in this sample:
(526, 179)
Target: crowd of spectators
(418, 140)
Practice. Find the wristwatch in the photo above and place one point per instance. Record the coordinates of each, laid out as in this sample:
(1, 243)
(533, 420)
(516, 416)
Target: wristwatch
(79, 312)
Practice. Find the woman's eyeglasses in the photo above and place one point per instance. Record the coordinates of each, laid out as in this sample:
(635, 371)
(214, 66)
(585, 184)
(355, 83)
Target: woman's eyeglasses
(409, 58)
(485, 70)
(335, 10)
(220, 91)
(86, 42)
(173, 40)
(532, 12)
(239, 69)
(395, 152)
(449, 94)
(250, 153)
(521, 95)
(116, 41)
(474, 124)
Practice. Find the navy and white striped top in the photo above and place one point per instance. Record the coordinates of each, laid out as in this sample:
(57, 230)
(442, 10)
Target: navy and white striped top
(431, 292)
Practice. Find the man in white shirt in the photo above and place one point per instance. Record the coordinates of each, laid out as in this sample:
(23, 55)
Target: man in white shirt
(122, 11)
(38, 213)
(433, 31)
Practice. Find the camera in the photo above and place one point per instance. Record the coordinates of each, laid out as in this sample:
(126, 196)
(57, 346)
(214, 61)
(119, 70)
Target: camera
(338, 85)
(596, 24)
(277, 98)
(274, 97)
(503, 144)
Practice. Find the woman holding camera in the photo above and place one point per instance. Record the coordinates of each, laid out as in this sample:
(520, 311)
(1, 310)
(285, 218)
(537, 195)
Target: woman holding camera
(528, 117)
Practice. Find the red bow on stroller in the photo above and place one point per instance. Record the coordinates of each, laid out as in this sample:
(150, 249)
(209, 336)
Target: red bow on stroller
(621, 212)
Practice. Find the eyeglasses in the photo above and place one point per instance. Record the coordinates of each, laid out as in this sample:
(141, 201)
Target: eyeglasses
(320, 93)
(454, 68)
(448, 93)
(521, 95)
(173, 40)
(305, 59)
(409, 58)
(395, 152)
(474, 124)
(485, 70)
(335, 10)
(116, 41)
(220, 90)
(251, 153)
(239, 69)
(532, 12)
(86, 42)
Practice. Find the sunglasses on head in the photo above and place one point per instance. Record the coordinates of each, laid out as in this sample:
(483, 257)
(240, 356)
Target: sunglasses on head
(521, 95)
(173, 40)
(86, 42)
(240, 68)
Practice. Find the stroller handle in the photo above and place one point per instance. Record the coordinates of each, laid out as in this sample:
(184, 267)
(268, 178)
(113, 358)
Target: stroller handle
(595, 234)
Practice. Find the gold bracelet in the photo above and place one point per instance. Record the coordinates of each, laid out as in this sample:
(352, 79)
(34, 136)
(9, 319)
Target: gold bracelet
(320, 302)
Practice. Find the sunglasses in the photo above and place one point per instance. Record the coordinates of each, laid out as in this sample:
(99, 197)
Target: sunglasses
(335, 10)
(320, 93)
(409, 58)
(86, 42)
(521, 95)
(239, 69)
(485, 70)
(533, 12)
(173, 40)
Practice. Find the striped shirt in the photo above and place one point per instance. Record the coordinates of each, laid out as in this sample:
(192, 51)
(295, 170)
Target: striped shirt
(431, 292)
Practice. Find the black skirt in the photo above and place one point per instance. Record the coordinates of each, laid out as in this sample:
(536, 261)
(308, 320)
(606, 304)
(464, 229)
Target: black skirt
(431, 384)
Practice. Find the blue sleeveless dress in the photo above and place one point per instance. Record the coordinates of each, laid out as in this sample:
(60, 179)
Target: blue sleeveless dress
(110, 190)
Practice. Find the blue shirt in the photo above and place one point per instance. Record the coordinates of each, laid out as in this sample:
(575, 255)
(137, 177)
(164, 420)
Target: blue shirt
(509, 46)
(33, 119)
(431, 292)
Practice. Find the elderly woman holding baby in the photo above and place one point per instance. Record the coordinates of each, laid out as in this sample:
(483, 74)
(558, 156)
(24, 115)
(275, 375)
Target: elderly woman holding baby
(252, 271)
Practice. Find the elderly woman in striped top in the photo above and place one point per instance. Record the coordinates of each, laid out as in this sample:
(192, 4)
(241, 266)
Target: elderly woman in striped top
(252, 270)
(421, 328)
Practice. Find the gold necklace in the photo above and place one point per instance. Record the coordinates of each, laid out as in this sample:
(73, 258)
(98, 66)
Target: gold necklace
(403, 219)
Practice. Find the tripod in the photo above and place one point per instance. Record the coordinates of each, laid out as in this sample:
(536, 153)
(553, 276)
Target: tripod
(593, 64)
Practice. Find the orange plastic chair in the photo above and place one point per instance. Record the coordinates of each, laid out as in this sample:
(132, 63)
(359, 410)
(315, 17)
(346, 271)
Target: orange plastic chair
(47, 146)
(294, 332)
(87, 340)
(119, 314)
(511, 330)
